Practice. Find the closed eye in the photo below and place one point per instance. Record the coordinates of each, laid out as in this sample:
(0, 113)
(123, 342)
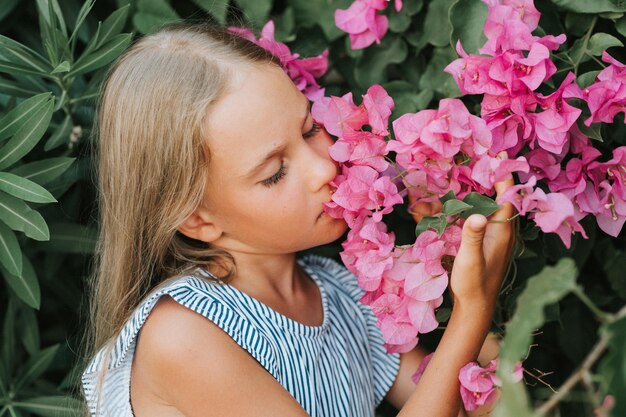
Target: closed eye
(316, 128)
(276, 177)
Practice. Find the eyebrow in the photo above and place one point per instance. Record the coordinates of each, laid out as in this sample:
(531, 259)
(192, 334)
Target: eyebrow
(270, 155)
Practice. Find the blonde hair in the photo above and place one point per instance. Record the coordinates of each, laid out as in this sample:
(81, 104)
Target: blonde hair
(152, 157)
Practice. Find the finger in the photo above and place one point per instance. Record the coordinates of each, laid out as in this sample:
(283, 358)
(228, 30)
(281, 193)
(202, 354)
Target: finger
(507, 211)
(472, 238)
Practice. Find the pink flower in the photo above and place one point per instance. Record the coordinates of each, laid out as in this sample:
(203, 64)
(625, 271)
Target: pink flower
(360, 148)
(522, 196)
(518, 72)
(379, 106)
(421, 368)
(362, 23)
(607, 96)
(303, 72)
(471, 73)
(555, 214)
(489, 170)
(477, 386)
(339, 113)
(509, 25)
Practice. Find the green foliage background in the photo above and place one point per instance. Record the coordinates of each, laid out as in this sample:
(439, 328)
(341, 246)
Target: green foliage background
(53, 55)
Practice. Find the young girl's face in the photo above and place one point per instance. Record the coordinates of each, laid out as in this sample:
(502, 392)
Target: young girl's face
(270, 170)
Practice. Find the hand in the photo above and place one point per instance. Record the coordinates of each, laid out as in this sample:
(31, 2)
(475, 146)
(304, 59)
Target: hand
(481, 262)
(421, 210)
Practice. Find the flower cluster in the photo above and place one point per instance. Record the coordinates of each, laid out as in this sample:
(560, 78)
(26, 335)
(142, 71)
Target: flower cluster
(303, 71)
(541, 131)
(363, 22)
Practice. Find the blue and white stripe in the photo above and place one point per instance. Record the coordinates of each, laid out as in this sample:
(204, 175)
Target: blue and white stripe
(340, 368)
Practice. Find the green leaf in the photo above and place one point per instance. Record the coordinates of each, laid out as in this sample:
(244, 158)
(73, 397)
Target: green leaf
(52, 406)
(612, 368)
(217, 8)
(371, 67)
(437, 27)
(112, 25)
(25, 285)
(26, 136)
(27, 323)
(467, 18)
(7, 7)
(152, 14)
(545, 288)
(21, 54)
(35, 366)
(15, 88)
(596, 6)
(102, 56)
(309, 13)
(620, 26)
(600, 42)
(9, 342)
(18, 69)
(70, 238)
(61, 135)
(82, 14)
(62, 67)
(577, 24)
(453, 207)
(448, 196)
(45, 170)
(10, 251)
(256, 11)
(21, 114)
(435, 79)
(480, 205)
(45, 6)
(24, 189)
(438, 223)
(594, 131)
(19, 216)
(614, 266)
(586, 79)
(399, 22)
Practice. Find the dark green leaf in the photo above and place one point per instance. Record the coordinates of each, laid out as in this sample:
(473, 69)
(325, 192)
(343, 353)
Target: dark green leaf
(26, 136)
(443, 314)
(24, 189)
(21, 114)
(612, 368)
(102, 56)
(82, 14)
(25, 285)
(18, 69)
(20, 54)
(55, 406)
(27, 323)
(481, 205)
(217, 8)
(61, 135)
(593, 131)
(399, 22)
(586, 79)
(15, 88)
(600, 42)
(596, 6)
(45, 170)
(70, 238)
(577, 24)
(256, 11)
(7, 7)
(448, 196)
(437, 27)
(615, 266)
(620, 26)
(62, 67)
(19, 216)
(453, 207)
(435, 79)
(10, 251)
(467, 18)
(371, 68)
(320, 12)
(35, 366)
(437, 223)
(112, 25)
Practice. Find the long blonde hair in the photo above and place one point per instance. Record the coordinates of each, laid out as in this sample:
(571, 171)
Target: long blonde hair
(152, 157)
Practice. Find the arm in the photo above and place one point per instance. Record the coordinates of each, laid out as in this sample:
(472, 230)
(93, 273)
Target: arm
(189, 364)
(475, 282)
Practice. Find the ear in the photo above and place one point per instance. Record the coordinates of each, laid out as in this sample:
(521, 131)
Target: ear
(200, 226)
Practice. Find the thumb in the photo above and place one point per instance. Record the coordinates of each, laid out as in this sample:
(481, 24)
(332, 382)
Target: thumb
(473, 234)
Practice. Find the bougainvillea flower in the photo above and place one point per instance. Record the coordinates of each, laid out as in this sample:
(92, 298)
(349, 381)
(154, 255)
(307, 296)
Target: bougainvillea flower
(339, 113)
(543, 165)
(478, 384)
(521, 196)
(360, 148)
(471, 73)
(488, 169)
(516, 71)
(362, 22)
(555, 214)
(379, 106)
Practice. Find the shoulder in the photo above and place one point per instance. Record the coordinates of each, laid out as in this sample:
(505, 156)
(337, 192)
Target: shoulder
(197, 366)
(334, 274)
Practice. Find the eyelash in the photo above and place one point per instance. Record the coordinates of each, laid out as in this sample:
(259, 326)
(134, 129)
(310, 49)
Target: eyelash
(282, 170)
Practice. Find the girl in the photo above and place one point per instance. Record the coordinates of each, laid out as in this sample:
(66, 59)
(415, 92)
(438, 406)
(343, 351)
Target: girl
(212, 175)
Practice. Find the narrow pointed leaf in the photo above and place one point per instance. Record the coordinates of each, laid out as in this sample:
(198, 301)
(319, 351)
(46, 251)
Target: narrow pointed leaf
(14, 88)
(102, 56)
(70, 238)
(12, 68)
(25, 285)
(10, 251)
(82, 14)
(53, 406)
(45, 170)
(61, 135)
(35, 366)
(19, 216)
(62, 67)
(24, 189)
(29, 327)
(20, 115)
(23, 55)
(27, 136)
(112, 25)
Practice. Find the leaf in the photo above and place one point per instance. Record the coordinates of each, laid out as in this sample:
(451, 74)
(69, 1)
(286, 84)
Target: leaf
(45, 170)
(399, 22)
(25, 285)
(23, 55)
(14, 88)
(577, 24)
(7, 7)
(480, 205)
(600, 42)
(438, 223)
(435, 79)
(467, 18)
(18, 69)
(102, 56)
(62, 67)
(217, 8)
(27, 323)
(612, 368)
(8, 345)
(437, 27)
(453, 207)
(10, 251)
(112, 25)
(61, 135)
(620, 26)
(448, 196)
(371, 68)
(70, 238)
(35, 366)
(256, 11)
(545, 288)
(24, 189)
(26, 136)
(594, 131)
(19, 216)
(152, 14)
(614, 266)
(21, 114)
(82, 14)
(52, 406)
(309, 13)
(596, 6)
(586, 79)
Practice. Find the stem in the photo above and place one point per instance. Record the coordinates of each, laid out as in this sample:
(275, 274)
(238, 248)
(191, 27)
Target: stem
(504, 221)
(603, 316)
(584, 369)
(585, 41)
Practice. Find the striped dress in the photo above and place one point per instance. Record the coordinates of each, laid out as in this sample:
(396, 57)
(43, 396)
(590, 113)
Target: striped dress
(338, 369)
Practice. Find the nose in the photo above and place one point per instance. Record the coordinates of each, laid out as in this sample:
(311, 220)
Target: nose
(323, 168)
